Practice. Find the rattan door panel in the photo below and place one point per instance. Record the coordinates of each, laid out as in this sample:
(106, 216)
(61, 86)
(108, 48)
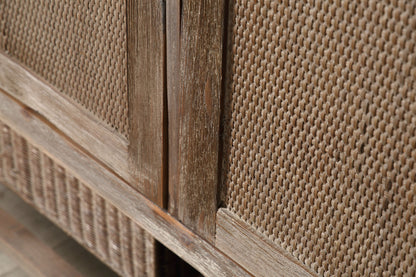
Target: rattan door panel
(66, 100)
(300, 126)
(79, 47)
(319, 131)
(70, 118)
(68, 61)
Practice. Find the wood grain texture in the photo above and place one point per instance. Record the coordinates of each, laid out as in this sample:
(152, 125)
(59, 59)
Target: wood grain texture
(173, 25)
(146, 89)
(2, 176)
(162, 226)
(150, 253)
(70, 118)
(253, 251)
(193, 157)
(34, 255)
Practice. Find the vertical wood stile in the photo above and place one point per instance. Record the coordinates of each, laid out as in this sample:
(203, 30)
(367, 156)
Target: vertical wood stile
(74, 206)
(173, 27)
(36, 177)
(113, 236)
(194, 111)
(1, 152)
(61, 195)
(138, 251)
(146, 85)
(146, 94)
(27, 191)
(87, 217)
(150, 254)
(48, 185)
(126, 245)
(18, 163)
(8, 164)
(100, 223)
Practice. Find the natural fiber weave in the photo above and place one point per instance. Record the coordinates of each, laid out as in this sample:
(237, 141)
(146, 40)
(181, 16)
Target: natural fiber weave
(320, 131)
(77, 46)
(73, 206)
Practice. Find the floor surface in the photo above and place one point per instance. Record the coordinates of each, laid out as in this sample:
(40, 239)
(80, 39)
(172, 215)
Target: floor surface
(45, 232)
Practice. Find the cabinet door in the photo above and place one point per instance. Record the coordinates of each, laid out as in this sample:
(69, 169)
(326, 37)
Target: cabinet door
(93, 69)
(311, 145)
(81, 120)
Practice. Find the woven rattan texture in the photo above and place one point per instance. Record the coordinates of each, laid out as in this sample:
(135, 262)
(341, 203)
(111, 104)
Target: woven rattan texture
(77, 46)
(319, 131)
(72, 205)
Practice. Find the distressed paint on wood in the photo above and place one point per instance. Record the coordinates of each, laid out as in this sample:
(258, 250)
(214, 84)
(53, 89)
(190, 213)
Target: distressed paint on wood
(146, 90)
(194, 112)
(71, 119)
(173, 18)
(199, 253)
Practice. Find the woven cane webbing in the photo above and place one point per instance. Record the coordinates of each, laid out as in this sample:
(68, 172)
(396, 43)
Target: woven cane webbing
(320, 131)
(64, 199)
(77, 46)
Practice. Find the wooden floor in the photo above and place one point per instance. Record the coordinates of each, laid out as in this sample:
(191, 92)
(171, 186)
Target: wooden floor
(9, 267)
(31, 245)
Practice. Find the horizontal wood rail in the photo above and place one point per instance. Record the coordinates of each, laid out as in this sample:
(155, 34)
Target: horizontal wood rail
(169, 231)
(69, 117)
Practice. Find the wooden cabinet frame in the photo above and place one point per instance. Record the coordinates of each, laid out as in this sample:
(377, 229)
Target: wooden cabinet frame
(196, 45)
(165, 177)
(194, 63)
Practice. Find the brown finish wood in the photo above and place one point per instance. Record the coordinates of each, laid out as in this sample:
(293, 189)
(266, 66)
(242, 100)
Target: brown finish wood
(194, 113)
(162, 226)
(70, 118)
(34, 255)
(149, 246)
(146, 88)
(173, 25)
(254, 252)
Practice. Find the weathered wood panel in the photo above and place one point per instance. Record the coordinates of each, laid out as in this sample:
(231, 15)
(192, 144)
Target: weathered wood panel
(173, 17)
(146, 90)
(194, 112)
(70, 118)
(162, 226)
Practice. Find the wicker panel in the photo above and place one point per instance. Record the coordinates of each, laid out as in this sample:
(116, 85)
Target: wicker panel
(73, 206)
(320, 131)
(77, 46)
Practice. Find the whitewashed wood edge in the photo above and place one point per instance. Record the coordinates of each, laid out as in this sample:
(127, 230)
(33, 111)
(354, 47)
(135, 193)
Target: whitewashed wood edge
(254, 251)
(166, 229)
(70, 118)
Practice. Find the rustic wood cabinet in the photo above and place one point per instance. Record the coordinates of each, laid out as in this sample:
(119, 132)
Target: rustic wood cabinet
(270, 138)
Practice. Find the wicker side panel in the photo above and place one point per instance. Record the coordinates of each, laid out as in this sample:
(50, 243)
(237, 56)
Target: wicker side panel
(320, 131)
(77, 46)
(72, 205)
